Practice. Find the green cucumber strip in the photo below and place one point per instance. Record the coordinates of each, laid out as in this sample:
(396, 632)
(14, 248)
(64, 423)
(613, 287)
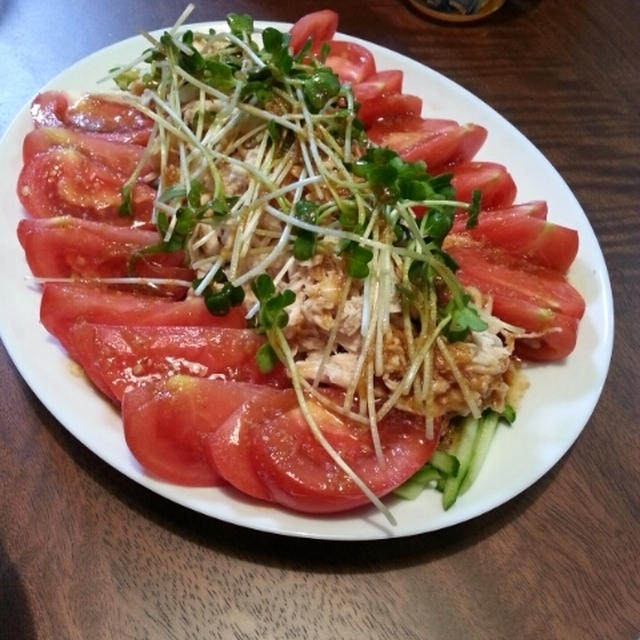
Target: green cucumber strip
(464, 453)
(445, 462)
(486, 430)
(415, 485)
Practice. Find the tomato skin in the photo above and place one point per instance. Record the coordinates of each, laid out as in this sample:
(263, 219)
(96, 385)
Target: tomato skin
(439, 149)
(121, 157)
(320, 26)
(165, 425)
(93, 112)
(535, 209)
(229, 447)
(350, 61)
(543, 243)
(492, 179)
(64, 181)
(496, 272)
(389, 106)
(109, 119)
(536, 299)
(65, 247)
(49, 109)
(559, 331)
(299, 474)
(406, 123)
(64, 304)
(117, 358)
(381, 83)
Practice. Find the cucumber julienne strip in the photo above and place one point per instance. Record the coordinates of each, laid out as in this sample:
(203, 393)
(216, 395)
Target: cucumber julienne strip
(486, 430)
(464, 453)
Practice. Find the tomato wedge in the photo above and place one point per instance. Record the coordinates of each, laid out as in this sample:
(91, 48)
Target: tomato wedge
(438, 149)
(350, 61)
(558, 332)
(65, 247)
(63, 305)
(298, 473)
(106, 118)
(318, 26)
(165, 425)
(49, 109)
(492, 179)
(98, 113)
(406, 123)
(538, 300)
(64, 181)
(229, 446)
(121, 157)
(381, 83)
(389, 106)
(535, 209)
(496, 272)
(544, 243)
(117, 358)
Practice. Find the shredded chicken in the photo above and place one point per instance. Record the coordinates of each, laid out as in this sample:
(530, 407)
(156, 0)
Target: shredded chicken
(327, 330)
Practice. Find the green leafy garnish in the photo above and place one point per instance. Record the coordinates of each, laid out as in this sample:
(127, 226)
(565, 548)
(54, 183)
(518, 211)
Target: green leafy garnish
(304, 246)
(126, 206)
(320, 87)
(464, 318)
(220, 295)
(474, 209)
(241, 24)
(272, 313)
(266, 358)
(358, 259)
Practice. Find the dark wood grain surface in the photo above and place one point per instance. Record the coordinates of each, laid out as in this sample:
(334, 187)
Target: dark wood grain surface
(87, 554)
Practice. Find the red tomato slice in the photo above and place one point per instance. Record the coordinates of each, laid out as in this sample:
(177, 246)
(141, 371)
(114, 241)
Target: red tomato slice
(299, 474)
(391, 106)
(65, 247)
(492, 179)
(49, 109)
(100, 114)
(319, 26)
(382, 128)
(63, 305)
(229, 447)
(117, 358)
(381, 83)
(121, 157)
(495, 272)
(440, 149)
(543, 243)
(350, 61)
(64, 181)
(537, 300)
(558, 331)
(535, 209)
(165, 425)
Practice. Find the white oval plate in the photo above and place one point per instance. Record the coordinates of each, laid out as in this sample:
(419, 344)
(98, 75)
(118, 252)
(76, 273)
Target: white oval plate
(556, 408)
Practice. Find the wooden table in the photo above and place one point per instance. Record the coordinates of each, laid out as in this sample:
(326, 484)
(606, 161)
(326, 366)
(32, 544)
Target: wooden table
(86, 553)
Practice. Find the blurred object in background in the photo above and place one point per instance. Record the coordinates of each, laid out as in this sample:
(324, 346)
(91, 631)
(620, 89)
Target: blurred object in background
(457, 10)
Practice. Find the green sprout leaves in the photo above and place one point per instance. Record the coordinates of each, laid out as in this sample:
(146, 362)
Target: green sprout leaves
(319, 87)
(271, 317)
(464, 318)
(272, 313)
(220, 295)
(304, 246)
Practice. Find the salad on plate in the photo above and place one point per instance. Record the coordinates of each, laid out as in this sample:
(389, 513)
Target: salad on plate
(287, 278)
